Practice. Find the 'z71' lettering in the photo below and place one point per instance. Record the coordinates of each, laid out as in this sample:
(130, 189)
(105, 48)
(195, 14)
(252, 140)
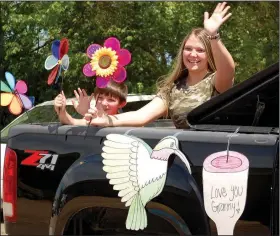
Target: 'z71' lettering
(39, 158)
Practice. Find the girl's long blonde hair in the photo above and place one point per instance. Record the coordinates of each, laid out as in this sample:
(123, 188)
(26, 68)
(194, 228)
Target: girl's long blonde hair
(165, 83)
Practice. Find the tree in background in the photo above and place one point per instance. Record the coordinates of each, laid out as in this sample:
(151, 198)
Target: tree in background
(151, 31)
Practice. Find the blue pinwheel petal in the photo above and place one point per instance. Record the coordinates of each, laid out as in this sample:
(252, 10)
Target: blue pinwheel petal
(58, 74)
(32, 99)
(55, 48)
(11, 80)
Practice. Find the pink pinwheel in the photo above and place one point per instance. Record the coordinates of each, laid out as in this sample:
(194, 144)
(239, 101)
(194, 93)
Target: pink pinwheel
(107, 62)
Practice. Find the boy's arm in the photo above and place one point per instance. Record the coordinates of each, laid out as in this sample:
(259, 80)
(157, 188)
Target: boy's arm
(63, 115)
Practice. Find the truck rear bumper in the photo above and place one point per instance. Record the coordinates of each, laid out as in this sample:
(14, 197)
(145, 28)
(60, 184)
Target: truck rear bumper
(23, 228)
(33, 218)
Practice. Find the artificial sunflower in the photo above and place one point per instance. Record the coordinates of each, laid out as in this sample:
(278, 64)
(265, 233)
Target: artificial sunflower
(104, 62)
(107, 62)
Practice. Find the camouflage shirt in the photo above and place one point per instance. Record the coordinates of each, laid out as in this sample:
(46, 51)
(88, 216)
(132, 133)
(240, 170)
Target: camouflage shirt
(183, 98)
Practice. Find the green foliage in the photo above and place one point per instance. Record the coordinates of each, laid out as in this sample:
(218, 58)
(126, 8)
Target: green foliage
(151, 31)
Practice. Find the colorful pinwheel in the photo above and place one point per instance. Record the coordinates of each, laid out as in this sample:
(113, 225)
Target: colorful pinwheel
(59, 60)
(14, 94)
(107, 62)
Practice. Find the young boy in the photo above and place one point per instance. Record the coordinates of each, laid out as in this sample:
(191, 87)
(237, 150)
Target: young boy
(108, 101)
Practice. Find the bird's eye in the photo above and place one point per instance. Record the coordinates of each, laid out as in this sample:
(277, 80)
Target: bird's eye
(172, 145)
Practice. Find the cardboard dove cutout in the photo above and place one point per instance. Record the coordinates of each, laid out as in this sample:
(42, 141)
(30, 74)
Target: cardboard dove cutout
(138, 172)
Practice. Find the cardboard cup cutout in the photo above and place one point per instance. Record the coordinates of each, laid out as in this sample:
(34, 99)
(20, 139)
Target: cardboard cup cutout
(225, 188)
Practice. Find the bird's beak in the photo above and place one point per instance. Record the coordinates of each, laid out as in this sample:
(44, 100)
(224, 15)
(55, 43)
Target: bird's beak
(183, 158)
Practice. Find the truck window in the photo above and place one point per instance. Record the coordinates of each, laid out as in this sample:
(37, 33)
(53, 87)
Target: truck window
(46, 114)
(38, 115)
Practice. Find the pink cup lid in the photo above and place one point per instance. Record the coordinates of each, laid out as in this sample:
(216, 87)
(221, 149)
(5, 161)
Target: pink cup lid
(219, 163)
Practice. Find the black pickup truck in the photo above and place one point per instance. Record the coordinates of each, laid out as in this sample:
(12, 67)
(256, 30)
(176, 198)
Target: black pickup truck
(54, 181)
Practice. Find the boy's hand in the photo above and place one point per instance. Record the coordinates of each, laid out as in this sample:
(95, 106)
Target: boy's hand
(96, 117)
(60, 103)
(83, 103)
(91, 114)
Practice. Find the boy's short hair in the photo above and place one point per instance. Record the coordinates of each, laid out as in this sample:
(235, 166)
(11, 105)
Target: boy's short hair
(113, 89)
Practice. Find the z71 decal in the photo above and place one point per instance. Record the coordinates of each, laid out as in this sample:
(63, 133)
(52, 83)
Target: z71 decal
(39, 159)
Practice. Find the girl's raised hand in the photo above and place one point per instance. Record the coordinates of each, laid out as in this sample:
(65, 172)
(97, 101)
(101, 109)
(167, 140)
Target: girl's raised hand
(219, 16)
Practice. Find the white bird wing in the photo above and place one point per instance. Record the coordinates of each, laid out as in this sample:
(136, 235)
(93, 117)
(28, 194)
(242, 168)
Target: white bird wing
(148, 169)
(129, 167)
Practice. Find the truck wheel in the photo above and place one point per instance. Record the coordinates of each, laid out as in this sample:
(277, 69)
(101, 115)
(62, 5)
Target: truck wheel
(110, 221)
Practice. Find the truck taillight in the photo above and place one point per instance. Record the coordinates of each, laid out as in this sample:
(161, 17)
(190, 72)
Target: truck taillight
(10, 185)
